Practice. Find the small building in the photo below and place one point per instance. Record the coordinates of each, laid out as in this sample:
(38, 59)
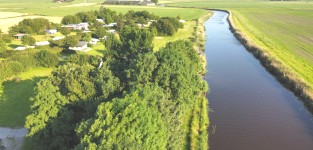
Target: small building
(43, 43)
(52, 31)
(110, 25)
(147, 3)
(56, 38)
(86, 31)
(80, 26)
(94, 41)
(100, 20)
(123, 2)
(112, 31)
(182, 21)
(19, 35)
(80, 46)
(104, 38)
(20, 48)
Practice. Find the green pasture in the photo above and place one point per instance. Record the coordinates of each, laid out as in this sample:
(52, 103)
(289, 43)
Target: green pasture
(15, 94)
(283, 29)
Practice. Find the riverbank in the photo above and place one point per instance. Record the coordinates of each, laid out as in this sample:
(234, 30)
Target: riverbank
(199, 120)
(284, 75)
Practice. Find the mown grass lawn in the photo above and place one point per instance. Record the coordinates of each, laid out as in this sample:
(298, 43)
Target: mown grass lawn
(15, 94)
(182, 34)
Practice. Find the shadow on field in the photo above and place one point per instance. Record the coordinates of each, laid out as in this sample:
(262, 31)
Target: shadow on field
(14, 101)
(13, 45)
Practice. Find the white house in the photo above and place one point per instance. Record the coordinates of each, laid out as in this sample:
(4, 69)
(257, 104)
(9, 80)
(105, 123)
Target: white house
(20, 48)
(182, 21)
(110, 25)
(104, 38)
(58, 38)
(111, 31)
(94, 41)
(80, 46)
(52, 31)
(100, 20)
(80, 26)
(43, 43)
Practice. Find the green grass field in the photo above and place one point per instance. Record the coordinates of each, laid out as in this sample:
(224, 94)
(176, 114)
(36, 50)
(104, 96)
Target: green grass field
(14, 97)
(282, 29)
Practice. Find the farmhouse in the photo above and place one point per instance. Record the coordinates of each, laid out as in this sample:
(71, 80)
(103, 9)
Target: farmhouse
(123, 2)
(52, 31)
(147, 3)
(100, 20)
(80, 26)
(19, 36)
(94, 41)
(80, 46)
(111, 31)
(58, 38)
(110, 25)
(20, 48)
(43, 43)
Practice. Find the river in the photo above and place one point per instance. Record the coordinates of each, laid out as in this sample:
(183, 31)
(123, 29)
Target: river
(251, 110)
(12, 139)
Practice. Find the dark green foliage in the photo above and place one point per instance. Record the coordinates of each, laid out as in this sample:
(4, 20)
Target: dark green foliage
(132, 98)
(134, 41)
(31, 26)
(132, 122)
(99, 33)
(28, 40)
(3, 46)
(167, 26)
(47, 59)
(17, 62)
(86, 37)
(142, 17)
(84, 59)
(86, 16)
(70, 19)
(65, 31)
(155, 1)
(70, 41)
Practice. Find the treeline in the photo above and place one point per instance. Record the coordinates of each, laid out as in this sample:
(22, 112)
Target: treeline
(17, 62)
(132, 98)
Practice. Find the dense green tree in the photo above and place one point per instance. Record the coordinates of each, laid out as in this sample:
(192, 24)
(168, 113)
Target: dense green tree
(47, 59)
(100, 32)
(132, 122)
(70, 41)
(28, 40)
(3, 46)
(70, 19)
(86, 37)
(155, 1)
(86, 16)
(167, 26)
(65, 31)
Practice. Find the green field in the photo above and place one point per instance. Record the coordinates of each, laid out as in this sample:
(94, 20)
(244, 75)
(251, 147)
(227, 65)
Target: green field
(281, 29)
(15, 94)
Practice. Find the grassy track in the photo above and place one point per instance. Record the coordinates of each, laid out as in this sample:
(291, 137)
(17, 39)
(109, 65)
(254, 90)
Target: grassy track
(14, 97)
(281, 29)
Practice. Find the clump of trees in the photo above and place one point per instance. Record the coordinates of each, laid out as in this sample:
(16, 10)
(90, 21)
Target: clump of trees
(167, 26)
(136, 99)
(31, 26)
(18, 62)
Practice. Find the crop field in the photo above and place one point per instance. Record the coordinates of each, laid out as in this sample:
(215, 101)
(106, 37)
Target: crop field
(282, 29)
(8, 19)
(15, 94)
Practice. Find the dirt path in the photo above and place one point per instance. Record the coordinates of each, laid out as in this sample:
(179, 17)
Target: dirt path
(12, 139)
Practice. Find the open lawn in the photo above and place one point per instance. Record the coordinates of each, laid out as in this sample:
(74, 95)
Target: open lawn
(15, 94)
(185, 33)
(281, 29)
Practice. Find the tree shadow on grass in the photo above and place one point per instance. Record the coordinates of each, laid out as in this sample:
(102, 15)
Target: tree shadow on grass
(14, 101)
(13, 46)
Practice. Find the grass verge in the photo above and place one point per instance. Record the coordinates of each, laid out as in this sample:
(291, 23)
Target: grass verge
(15, 94)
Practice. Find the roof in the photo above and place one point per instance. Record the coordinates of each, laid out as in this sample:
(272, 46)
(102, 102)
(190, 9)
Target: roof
(81, 44)
(20, 34)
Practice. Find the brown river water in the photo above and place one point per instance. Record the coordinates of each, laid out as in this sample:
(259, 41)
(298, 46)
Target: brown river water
(250, 110)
